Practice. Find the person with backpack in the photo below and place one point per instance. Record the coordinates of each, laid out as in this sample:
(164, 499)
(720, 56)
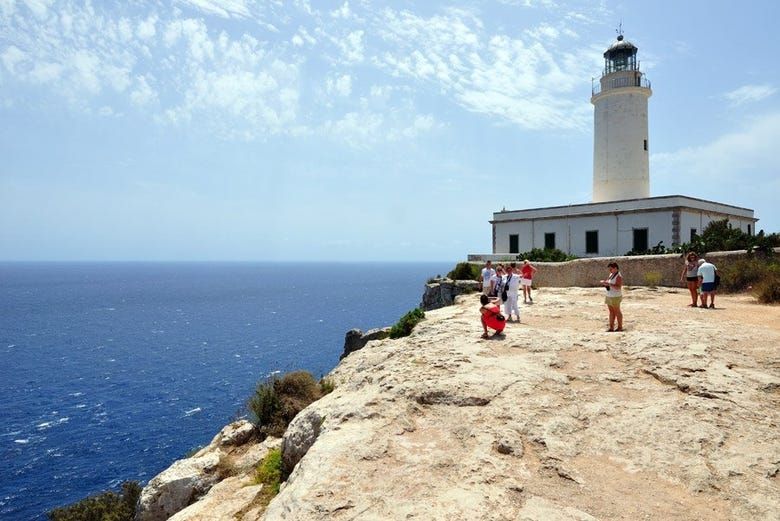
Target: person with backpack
(491, 317)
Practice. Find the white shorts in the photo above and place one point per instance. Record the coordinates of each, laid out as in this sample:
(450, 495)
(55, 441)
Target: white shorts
(525, 282)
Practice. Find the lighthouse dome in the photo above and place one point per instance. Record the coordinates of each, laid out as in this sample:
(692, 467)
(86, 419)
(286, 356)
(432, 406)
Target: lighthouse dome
(620, 47)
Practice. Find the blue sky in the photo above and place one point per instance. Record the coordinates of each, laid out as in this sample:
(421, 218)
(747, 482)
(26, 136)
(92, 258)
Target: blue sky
(359, 130)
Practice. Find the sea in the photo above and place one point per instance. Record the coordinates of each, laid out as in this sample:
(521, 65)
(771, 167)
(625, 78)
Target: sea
(111, 371)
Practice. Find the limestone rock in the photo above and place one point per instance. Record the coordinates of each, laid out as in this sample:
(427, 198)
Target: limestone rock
(226, 500)
(355, 339)
(300, 436)
(442, 292)
(176, 487)
(676, 418)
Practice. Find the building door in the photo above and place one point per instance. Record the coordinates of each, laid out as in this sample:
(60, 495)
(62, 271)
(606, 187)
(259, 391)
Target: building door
(514, 246)
(640, 239)
(549, 241)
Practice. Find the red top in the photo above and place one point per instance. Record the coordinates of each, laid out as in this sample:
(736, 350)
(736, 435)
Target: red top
(491, 320)
(527, 271)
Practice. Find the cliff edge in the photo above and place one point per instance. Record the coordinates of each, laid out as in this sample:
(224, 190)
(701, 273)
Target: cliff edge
(677, 418)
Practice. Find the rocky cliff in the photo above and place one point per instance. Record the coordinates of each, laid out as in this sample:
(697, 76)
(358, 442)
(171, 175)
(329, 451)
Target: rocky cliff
(676, 419)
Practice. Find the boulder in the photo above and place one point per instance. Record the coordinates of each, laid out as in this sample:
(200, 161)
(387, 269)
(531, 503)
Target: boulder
(299, 437)
(355, 339)
(442, 292)
(177, 487)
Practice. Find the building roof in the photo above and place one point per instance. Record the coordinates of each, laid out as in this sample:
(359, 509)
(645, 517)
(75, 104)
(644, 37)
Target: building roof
(665, 202)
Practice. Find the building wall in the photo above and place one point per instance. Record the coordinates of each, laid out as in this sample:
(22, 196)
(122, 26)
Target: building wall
(615, 232)
(693, 219)
(620, 162)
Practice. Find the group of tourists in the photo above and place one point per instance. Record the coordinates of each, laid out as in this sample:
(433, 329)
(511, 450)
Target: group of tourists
(500, 286)
(702, 279)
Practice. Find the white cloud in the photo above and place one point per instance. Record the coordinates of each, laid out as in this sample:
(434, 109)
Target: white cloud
(727, 158)
(341, 12)
(341, 86)
(147, 28)
(39, 7)
(543, 32)
(222, 8)
(7, 8)
(303, 37)
(352, 47)
(143, 94)
(749, 94)
(527, 83)
(11, 57)
(45, 72)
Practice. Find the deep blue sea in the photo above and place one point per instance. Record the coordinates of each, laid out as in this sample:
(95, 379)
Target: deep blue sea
(111, 371)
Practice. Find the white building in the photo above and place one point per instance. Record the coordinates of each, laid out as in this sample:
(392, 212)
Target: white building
(622, 216)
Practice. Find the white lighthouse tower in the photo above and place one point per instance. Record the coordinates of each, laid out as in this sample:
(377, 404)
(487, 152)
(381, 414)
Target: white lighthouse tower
(620, 142)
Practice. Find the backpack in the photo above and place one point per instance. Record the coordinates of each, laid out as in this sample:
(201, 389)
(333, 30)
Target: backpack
(504, 295)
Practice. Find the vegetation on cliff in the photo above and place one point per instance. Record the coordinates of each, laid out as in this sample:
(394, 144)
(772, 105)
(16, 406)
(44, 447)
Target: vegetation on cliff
(107, 506)
(276, 401)
(406, 323)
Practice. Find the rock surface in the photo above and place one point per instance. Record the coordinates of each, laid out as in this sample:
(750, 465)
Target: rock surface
(198, 480)
(356, 340)
(678, 418)
(442, 292)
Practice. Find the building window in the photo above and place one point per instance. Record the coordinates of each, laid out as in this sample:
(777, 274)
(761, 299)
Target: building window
(750, 230)
(693, 234)
(645, 145)
(640, 239)
(549, 241)
(592, 241)
(514, 244)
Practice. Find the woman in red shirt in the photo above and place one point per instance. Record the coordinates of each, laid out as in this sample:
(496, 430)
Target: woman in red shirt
(491, 316)
(527, 271)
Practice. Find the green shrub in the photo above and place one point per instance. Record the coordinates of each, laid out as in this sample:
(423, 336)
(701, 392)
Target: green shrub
(277, 401)
(653, 278)
(767, 291)
(269, 474)
(465, 271)
(326, 386)
(743, 273)
(108, 506)
(406, 323)
(545, 255)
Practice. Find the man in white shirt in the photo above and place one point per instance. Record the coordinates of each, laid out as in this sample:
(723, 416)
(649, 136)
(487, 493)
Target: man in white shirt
(706, 274)
(487, 274)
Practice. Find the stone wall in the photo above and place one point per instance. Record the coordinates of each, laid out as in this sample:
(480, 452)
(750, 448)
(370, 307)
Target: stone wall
(636, 270)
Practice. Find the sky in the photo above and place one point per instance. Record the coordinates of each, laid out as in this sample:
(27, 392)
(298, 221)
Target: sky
(360, 130)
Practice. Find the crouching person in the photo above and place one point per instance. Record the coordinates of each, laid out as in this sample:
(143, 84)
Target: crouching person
(491, 316)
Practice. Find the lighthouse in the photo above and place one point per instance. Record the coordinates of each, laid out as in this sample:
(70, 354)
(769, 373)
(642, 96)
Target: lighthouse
(622, 218)
(620, 142)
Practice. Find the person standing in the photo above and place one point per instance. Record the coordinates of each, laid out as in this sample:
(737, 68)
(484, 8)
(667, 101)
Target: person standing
(706, 274)
(527, 272)
(496, 284)
(690, 273)
(490, 316)
(487, 275)
(614, 286)
(512, 290)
